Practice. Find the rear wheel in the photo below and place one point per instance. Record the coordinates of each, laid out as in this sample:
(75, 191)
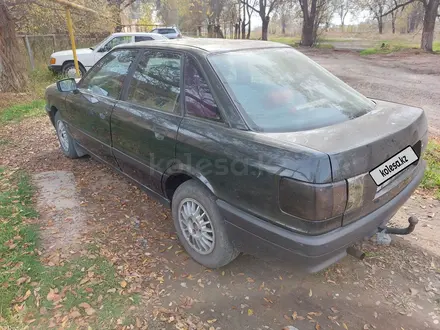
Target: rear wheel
(67, 144)
(200, 226)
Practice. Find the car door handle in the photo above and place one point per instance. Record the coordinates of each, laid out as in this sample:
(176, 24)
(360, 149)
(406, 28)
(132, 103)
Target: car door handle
(159, 136)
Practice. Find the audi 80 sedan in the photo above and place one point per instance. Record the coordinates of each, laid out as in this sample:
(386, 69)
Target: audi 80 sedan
(255, 147)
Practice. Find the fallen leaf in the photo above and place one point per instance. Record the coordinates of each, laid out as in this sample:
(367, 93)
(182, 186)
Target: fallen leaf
(310, 293)
(250, 312)
(52, 296)
(123, 284)
(345, 326)
(334, 310)
(74, 314)
(317, 326)
(84, 305)
(211, 321)
(294, 315)
(314, 313)
(286, 317)
(21, 280)
(90, 311)
(26, 295)
(111, 290)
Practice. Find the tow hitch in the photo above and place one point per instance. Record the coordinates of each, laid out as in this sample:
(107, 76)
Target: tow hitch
(401, 231)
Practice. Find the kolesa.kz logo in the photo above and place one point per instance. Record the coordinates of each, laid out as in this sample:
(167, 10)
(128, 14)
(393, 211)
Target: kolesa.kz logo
(390, 168)
(394, 165)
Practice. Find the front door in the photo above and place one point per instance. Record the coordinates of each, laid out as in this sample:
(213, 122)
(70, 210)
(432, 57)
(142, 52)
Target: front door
(145, 122)
(89, 108)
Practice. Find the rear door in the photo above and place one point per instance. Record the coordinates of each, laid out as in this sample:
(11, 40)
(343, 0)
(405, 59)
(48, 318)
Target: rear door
(146, 120)
(89, 108)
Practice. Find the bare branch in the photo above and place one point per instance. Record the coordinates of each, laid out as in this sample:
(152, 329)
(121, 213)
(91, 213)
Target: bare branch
(398, 6)
(253, 8)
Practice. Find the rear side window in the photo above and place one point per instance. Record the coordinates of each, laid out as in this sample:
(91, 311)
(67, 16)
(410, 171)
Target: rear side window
(198, 98)
(108, 75)
(142, 38)
(156, 82)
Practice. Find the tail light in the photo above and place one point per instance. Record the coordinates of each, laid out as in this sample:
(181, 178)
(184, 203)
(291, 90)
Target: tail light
(310, 201)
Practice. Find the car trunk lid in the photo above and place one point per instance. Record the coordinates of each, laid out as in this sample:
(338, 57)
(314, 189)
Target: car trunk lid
(357, 146)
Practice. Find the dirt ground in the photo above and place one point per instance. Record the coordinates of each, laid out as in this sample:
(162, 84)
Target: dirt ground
(406, 77)
(395, 287)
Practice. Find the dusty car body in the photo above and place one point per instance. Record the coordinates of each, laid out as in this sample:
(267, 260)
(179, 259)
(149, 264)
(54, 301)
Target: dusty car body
(252, 156)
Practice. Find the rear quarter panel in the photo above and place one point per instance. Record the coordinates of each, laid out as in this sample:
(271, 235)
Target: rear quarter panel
(244, 170)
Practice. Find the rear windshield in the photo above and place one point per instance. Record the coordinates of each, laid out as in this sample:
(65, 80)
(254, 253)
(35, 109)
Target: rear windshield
(282, 90)
(164, 31)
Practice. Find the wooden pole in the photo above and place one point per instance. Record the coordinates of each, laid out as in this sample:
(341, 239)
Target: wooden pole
(72, 41)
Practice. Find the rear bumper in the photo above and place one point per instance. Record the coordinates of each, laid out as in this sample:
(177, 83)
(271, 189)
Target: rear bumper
(313, 253)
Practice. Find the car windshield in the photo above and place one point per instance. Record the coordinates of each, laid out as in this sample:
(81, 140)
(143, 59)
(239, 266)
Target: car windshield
(282, 90)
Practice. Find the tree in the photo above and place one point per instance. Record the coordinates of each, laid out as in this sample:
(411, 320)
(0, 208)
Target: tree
(265, 9)
(429, 18)
(13, 76)
(378, 8)
(342, 8)
(313, 12)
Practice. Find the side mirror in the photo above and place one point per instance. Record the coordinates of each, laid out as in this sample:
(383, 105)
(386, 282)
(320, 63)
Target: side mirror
(67, 85)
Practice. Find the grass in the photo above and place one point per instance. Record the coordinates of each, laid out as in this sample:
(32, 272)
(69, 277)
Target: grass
(388, 47)
(431, 179)
(20, 111)
(26, 282)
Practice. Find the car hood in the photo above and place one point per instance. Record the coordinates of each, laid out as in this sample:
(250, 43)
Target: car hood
(80, 51)
(359, 145)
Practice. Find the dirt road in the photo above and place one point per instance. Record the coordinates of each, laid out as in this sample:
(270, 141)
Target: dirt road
(409, 77)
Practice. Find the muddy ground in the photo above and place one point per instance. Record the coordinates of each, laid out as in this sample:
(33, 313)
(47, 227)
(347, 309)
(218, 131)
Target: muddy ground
(396, 287)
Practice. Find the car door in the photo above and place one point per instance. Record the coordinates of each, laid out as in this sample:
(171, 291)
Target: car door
(88, 109)
(145, 122)
(110, 44)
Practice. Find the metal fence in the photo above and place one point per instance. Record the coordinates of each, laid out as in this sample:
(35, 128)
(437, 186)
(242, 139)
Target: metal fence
(38, 48)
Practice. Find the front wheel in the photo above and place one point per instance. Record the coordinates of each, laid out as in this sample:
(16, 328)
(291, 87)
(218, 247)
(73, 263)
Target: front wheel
(70, 71)
(200, 226)
(67, 144)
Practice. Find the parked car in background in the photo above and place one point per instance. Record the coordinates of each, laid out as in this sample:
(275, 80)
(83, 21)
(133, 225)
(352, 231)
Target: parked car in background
(62, 61)
(169, 32)
(255, 147)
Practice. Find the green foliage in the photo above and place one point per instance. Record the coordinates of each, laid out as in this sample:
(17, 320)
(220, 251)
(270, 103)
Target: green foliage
(431, 179)
(21, 111)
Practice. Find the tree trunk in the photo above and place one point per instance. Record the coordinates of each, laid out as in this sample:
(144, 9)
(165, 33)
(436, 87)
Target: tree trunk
(264, 27)
(307, 37)
(13, 76)
(236, 30)
(283, 25)
(429, 24)
(243, 23)
(248, 35)
(380, 24)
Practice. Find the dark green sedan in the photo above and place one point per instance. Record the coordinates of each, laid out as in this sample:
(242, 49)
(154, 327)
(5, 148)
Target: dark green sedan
(255, 147)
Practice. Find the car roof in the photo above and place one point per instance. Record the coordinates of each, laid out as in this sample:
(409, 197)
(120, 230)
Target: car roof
(122, 34)
(206, 45)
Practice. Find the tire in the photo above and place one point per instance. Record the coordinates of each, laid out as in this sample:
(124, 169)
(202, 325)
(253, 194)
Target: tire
(221, 252)
(69, 70)
(67, 144)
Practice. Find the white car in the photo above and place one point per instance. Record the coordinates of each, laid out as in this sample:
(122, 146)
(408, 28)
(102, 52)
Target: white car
(62, 62)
